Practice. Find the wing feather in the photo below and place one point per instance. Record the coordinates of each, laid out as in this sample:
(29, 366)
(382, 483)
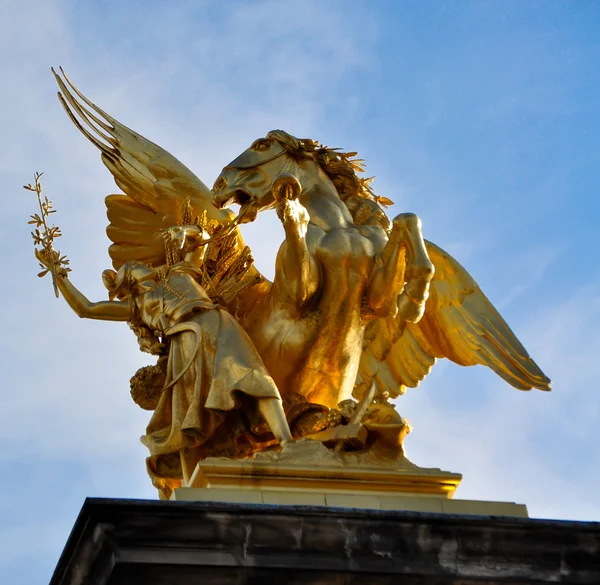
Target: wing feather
(149, 254)
(460, 324)
(125, 213)
(155, 183)
(386, 381)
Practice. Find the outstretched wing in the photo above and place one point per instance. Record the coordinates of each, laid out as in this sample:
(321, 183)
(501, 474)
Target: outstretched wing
(155, 183)
(459, 323)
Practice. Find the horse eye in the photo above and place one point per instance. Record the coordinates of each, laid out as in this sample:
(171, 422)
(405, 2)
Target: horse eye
(221, 183)
(262, 145)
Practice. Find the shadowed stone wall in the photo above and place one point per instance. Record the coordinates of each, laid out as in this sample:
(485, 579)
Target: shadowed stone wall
(119, 542)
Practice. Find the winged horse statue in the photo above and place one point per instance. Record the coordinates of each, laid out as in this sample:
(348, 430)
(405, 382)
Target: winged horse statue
(359, 304)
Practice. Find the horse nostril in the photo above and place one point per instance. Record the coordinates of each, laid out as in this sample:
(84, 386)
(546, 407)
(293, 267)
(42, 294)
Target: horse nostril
(241, 198)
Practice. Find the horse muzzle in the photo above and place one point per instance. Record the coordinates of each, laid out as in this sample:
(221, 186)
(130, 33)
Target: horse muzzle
(224, 196)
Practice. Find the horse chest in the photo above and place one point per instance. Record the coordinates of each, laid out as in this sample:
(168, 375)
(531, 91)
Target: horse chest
(346, 255)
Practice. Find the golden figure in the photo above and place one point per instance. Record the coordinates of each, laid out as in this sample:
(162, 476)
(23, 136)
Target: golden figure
(211, 361)
(360, 307)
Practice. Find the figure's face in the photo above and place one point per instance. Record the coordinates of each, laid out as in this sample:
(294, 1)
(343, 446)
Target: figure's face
(247, 180)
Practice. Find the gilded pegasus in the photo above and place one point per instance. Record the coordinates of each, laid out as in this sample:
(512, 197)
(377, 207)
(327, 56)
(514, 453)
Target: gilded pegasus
(358, 303)
(357, 299)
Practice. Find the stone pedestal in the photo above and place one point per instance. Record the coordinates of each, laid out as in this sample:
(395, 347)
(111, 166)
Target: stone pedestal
(124, 542)
(281, 482)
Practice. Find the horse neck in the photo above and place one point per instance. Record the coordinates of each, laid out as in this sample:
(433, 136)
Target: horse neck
(324, 206)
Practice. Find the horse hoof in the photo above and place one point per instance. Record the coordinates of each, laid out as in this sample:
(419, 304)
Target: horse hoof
(407, 221)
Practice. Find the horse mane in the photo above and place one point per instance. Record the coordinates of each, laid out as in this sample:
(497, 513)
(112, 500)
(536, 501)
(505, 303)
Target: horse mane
(342, 168)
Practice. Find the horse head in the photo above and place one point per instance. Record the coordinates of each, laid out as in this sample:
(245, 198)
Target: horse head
(251, 179)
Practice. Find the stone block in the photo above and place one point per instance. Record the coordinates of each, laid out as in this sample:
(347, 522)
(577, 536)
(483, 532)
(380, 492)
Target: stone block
(414, 504)
(483, 508)
(289, 498)
(352, 501)
(120, 542)
(232, 495)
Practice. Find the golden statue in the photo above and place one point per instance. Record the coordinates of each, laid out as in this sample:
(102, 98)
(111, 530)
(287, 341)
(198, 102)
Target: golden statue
(354, 293)
(359, 309)
(210, 358)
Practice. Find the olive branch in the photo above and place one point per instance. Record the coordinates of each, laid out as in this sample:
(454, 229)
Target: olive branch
(44, 235)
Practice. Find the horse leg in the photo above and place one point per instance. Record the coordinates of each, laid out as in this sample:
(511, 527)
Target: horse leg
(297, 274)
(403, 260)
(420, 269)
(329, 370)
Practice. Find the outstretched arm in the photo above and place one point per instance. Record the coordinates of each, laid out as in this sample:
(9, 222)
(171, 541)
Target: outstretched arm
(104, 310)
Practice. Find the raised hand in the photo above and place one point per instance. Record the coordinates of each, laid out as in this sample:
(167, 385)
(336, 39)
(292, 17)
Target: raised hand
(52, 261)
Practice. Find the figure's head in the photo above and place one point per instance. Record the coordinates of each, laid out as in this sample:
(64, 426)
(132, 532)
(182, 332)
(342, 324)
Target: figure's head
(109, 278)
(124, 283)
(116, 284)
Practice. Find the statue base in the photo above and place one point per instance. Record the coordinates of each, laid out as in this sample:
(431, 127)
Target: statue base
(125, 542)
(308, 474)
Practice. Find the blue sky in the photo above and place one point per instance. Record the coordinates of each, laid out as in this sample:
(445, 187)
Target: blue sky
(482, 117)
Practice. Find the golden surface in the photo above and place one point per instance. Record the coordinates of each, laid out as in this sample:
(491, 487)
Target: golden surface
(360, 307)
(293, 470)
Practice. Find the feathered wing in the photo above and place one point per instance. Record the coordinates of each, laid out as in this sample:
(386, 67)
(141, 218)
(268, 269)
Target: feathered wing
(155, 183)
(459, 323)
